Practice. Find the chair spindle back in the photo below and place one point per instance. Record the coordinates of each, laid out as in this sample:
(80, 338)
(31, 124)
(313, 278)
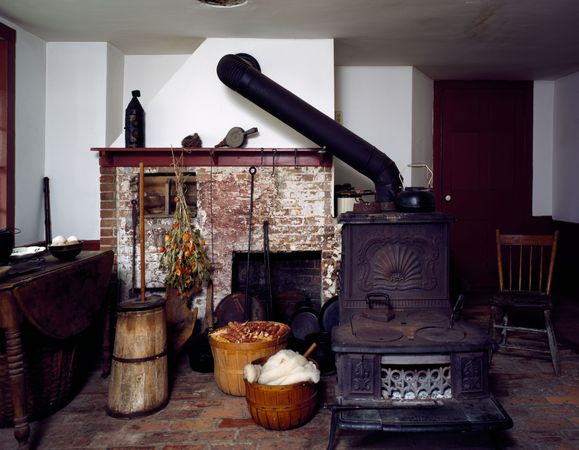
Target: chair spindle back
(525, 262)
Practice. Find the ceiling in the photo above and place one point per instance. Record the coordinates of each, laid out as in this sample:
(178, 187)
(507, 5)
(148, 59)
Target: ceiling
(445, 39)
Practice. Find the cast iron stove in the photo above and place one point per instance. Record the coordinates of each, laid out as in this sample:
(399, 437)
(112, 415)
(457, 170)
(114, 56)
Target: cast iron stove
(404, 363)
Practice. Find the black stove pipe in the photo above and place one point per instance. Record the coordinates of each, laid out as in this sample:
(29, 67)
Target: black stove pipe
(243, 76)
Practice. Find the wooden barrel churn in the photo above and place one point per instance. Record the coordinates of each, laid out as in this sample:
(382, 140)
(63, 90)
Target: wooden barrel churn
(139, 376)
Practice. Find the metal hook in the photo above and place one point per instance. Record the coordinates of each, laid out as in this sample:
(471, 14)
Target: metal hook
(273, 160)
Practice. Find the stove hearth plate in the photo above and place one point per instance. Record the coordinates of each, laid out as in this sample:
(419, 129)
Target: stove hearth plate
(440, 334)
(475, 415)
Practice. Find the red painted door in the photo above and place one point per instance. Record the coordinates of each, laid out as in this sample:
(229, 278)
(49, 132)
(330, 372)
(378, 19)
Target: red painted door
(483, 169)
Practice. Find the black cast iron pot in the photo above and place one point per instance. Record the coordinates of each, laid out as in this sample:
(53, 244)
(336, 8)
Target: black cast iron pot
(415, 199)
(6, 243)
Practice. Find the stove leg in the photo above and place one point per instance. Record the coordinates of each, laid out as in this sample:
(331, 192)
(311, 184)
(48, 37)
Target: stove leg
(495, 441)
(333, 429)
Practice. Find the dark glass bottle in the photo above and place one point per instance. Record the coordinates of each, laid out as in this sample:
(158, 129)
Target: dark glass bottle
(135, 122)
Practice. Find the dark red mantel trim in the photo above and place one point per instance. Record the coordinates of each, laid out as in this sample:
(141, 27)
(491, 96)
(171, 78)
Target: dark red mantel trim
(231, 157)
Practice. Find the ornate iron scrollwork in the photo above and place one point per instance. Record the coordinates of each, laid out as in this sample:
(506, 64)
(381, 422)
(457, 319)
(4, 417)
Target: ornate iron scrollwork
(362, 375)
(394, 263)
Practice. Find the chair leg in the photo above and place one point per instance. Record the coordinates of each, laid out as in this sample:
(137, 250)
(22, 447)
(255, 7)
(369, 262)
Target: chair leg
(552, 342)
(491, 324)
(504, 330)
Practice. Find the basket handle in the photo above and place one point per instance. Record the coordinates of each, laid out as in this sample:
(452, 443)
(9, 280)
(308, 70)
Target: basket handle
(310, 349)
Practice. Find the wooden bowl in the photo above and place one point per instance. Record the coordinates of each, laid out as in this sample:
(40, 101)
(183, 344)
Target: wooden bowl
(66, 252)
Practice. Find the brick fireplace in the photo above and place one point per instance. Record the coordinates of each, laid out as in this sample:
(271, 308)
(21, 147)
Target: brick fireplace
(292, 191)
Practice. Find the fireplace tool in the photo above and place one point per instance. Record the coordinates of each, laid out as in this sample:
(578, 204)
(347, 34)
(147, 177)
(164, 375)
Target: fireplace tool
(134, 218)
(267, 270)
(247, 312)
(47, 218)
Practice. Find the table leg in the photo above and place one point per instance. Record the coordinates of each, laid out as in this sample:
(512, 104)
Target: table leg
(15, 360)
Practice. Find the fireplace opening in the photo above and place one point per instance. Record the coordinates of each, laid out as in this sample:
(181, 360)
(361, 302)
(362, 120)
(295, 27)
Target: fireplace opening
(295, 280)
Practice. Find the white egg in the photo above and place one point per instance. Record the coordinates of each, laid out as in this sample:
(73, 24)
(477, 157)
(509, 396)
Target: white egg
(71, 239)
(59, 240)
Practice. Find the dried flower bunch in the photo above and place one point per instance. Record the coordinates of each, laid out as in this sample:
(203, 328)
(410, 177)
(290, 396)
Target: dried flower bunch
(184, 255)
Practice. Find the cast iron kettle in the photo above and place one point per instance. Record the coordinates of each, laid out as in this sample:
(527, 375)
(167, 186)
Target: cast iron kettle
(416, 199)
(7, 242)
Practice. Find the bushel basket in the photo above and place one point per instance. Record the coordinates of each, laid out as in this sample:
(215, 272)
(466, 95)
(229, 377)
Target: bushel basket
(230, 358)
(281, 407)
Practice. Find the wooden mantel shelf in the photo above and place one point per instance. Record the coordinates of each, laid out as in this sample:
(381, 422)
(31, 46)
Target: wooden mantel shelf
(221, 156)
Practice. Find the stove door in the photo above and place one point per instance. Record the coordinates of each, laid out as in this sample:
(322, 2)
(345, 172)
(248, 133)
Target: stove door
(406, 261)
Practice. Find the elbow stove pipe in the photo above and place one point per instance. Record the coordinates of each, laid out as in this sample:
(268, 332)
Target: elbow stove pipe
(243, 76)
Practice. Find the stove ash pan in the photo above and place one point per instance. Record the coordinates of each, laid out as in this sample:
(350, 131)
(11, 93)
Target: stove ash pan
(376, 379)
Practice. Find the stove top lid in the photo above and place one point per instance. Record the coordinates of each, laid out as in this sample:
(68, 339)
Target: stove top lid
(414, 331)
(373, 328)
(440, 334)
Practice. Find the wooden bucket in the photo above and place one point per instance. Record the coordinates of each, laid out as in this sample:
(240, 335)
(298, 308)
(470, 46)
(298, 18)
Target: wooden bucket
(139, 376)
(281, 407)
(229, 359)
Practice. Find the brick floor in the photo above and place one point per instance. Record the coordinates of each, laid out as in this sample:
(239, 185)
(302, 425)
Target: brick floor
(544, 408)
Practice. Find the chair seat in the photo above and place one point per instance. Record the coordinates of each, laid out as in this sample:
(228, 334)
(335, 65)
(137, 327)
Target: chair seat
(522, 299)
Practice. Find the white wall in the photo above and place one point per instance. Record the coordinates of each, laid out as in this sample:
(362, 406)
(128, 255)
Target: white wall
(422, 104)
(76, 109)
(543, 101)
(376, 104)
(114, 83)
(195, 100)
(29, 135)
(566, 149)
(148, 74)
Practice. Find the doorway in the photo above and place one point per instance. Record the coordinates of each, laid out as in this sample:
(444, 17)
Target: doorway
(483, 170)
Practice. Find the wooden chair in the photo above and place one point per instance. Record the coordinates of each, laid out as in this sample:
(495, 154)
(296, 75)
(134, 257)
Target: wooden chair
(525, 268)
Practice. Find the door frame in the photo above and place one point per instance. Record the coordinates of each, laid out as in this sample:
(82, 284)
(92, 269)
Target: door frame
(7, 117)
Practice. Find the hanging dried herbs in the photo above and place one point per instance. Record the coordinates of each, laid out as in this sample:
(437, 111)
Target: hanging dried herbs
(184, 255)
